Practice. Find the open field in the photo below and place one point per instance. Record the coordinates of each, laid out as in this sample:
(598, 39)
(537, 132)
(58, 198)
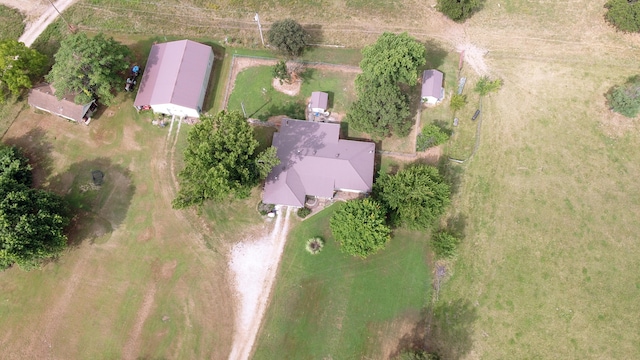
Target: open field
(332, 305)
(549, 264)
(11, 23)
(140, 280)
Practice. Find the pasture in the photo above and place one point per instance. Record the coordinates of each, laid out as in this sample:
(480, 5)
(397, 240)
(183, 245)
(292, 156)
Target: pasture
(548, 267)
(137, 274)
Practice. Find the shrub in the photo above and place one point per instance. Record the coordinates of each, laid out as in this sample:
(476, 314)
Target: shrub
(625, 99)
(458, 101)
(623, 14)
(314, 245)
(459, 10)
(303, 212)
(281, 73)
(264, 209)
(444, 244)
(484, 86)
(431, 135)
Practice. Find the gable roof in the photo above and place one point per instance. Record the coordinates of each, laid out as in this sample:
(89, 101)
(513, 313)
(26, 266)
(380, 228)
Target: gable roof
(319, 100)
(432, 83)
(174, 74)
(43, 96)
(314, 161)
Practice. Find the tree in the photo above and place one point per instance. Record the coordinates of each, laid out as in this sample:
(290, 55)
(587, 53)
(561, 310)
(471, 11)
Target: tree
(360, 227)
(393, 58)
(625, 99)
(416, 355)
(19, 67)
(485, 86)
(459, 10)
(288, 37)
(281, 72)
(32, 221)
(266, 161)
(89, 67)
(221, 161)
(431, 135)
(458, 101)
(381, 109)
(623, 14)
(415, 196)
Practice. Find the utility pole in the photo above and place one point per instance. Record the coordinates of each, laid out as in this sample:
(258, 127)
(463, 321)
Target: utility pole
(257, 19)
(71, 28)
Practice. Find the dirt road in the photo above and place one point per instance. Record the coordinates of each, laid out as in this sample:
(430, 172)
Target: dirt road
(254, 265)
(39, 14)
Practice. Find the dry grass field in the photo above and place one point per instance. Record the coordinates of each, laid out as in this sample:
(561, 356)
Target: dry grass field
(549, 205)
(140, 279)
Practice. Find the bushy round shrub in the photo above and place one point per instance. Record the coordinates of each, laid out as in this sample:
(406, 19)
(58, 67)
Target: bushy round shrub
(314, 245)
(303, 212)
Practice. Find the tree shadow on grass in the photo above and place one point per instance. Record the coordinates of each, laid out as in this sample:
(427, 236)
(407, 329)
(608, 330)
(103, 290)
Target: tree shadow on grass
(452, 173)
(37, 148)
(292, 109)
(435, 55)
(97, 209)
(451, 330)
(316, 35)
(445, 330)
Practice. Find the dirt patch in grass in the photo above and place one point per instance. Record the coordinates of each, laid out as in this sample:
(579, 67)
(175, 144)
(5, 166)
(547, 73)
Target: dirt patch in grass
(291, 89)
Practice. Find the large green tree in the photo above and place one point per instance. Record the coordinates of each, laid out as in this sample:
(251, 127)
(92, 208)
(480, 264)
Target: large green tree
(19, 67)
(381, 109)
(360, 227)
(415, 196)
(288, 37)
(459, 10)
(32, 221)
(393, 58)
(624, 14)
(625, 99)
(89, 67)
(221, 160)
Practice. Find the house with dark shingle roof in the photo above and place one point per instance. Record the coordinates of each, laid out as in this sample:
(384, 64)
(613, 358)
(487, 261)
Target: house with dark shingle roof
(175, 79)
(432, 88)
(314, 161)
(42, 97)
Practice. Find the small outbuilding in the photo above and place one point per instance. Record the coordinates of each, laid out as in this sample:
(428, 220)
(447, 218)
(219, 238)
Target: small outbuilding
(42, 97)
(176, 78)
(319, 102)
(432, 87)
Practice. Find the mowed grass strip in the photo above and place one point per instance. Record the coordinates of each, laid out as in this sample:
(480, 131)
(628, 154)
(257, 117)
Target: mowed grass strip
(332, 305)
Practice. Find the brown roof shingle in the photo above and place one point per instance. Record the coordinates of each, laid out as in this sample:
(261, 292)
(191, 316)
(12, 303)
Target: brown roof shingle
(314, 161)
(43, 96)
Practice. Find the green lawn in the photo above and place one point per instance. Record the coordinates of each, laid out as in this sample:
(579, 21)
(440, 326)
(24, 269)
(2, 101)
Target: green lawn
(253, 88)
(11, 23)
(332, 305)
